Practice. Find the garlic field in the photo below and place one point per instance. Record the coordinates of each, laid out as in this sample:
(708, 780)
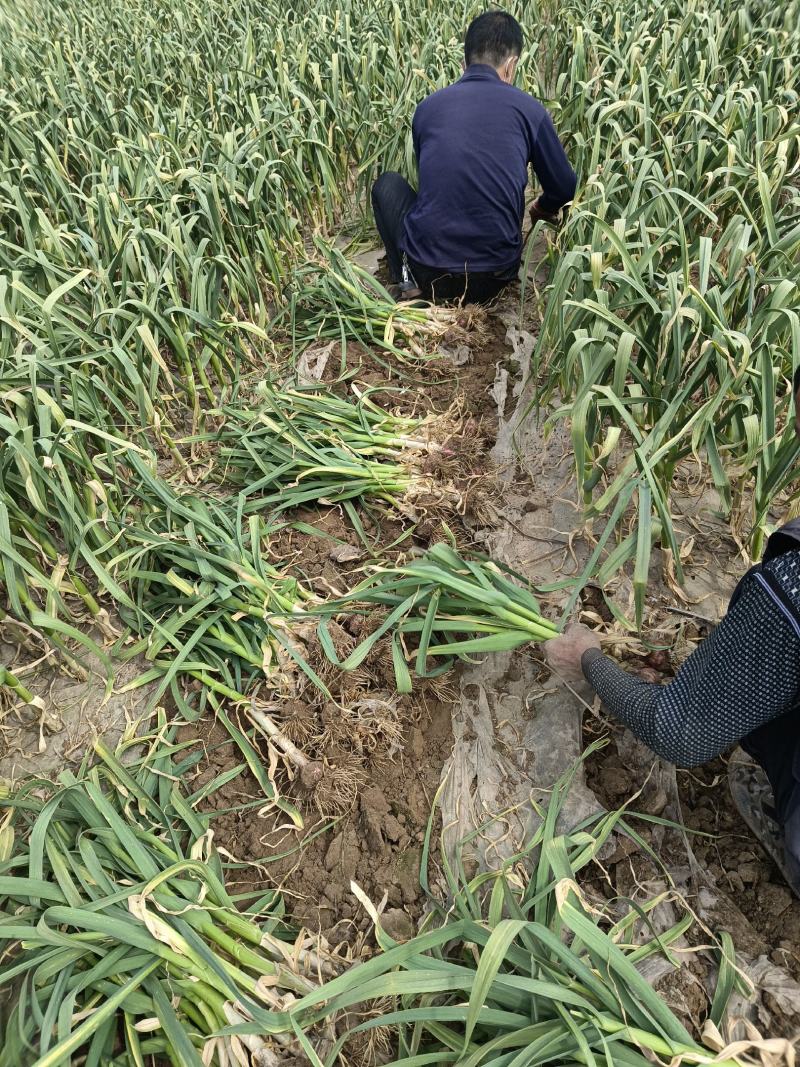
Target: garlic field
(183, 212)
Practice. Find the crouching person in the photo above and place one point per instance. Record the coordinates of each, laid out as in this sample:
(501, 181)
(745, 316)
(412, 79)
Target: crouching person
(460, 236)
(742, 684)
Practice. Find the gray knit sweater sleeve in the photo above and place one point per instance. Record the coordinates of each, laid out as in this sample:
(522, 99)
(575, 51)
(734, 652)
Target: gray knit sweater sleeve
(744, 674)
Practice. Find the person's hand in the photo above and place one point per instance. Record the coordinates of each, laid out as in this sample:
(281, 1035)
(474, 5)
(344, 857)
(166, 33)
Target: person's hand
(537, 215)
(564, 653)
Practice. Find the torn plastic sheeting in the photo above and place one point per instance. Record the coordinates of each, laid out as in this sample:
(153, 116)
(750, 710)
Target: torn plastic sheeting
(513, 739)
(509, 748)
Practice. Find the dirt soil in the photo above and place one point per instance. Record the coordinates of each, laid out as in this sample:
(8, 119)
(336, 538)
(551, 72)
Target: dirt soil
(389, 758)
(768, 922)
(329, 861)
(722, 843)
(382, 755)
(377, 843)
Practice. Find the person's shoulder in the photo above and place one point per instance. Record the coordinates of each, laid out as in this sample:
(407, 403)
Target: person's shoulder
(525, 100)
(534, 112)
(786, 570)
(437, 97)
(428, 108)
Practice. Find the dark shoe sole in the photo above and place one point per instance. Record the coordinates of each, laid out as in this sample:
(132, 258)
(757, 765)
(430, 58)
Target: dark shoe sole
(407, 295)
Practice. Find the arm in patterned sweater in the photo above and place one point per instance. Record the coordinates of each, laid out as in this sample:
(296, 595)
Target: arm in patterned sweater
(742, 676)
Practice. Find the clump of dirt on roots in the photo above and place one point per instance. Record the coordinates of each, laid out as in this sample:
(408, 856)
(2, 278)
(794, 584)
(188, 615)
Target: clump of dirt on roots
(375, 839)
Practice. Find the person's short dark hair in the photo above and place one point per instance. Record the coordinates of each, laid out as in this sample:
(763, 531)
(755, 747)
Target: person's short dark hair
(491, 38)
(796, 382)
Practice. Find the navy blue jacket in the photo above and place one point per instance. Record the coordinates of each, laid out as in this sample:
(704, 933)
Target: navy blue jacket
(474, 140)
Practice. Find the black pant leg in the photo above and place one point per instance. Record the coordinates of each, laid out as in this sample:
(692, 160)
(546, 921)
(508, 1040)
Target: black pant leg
(392, 199)
(776, 747)
(483, 288)
(445, 288)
